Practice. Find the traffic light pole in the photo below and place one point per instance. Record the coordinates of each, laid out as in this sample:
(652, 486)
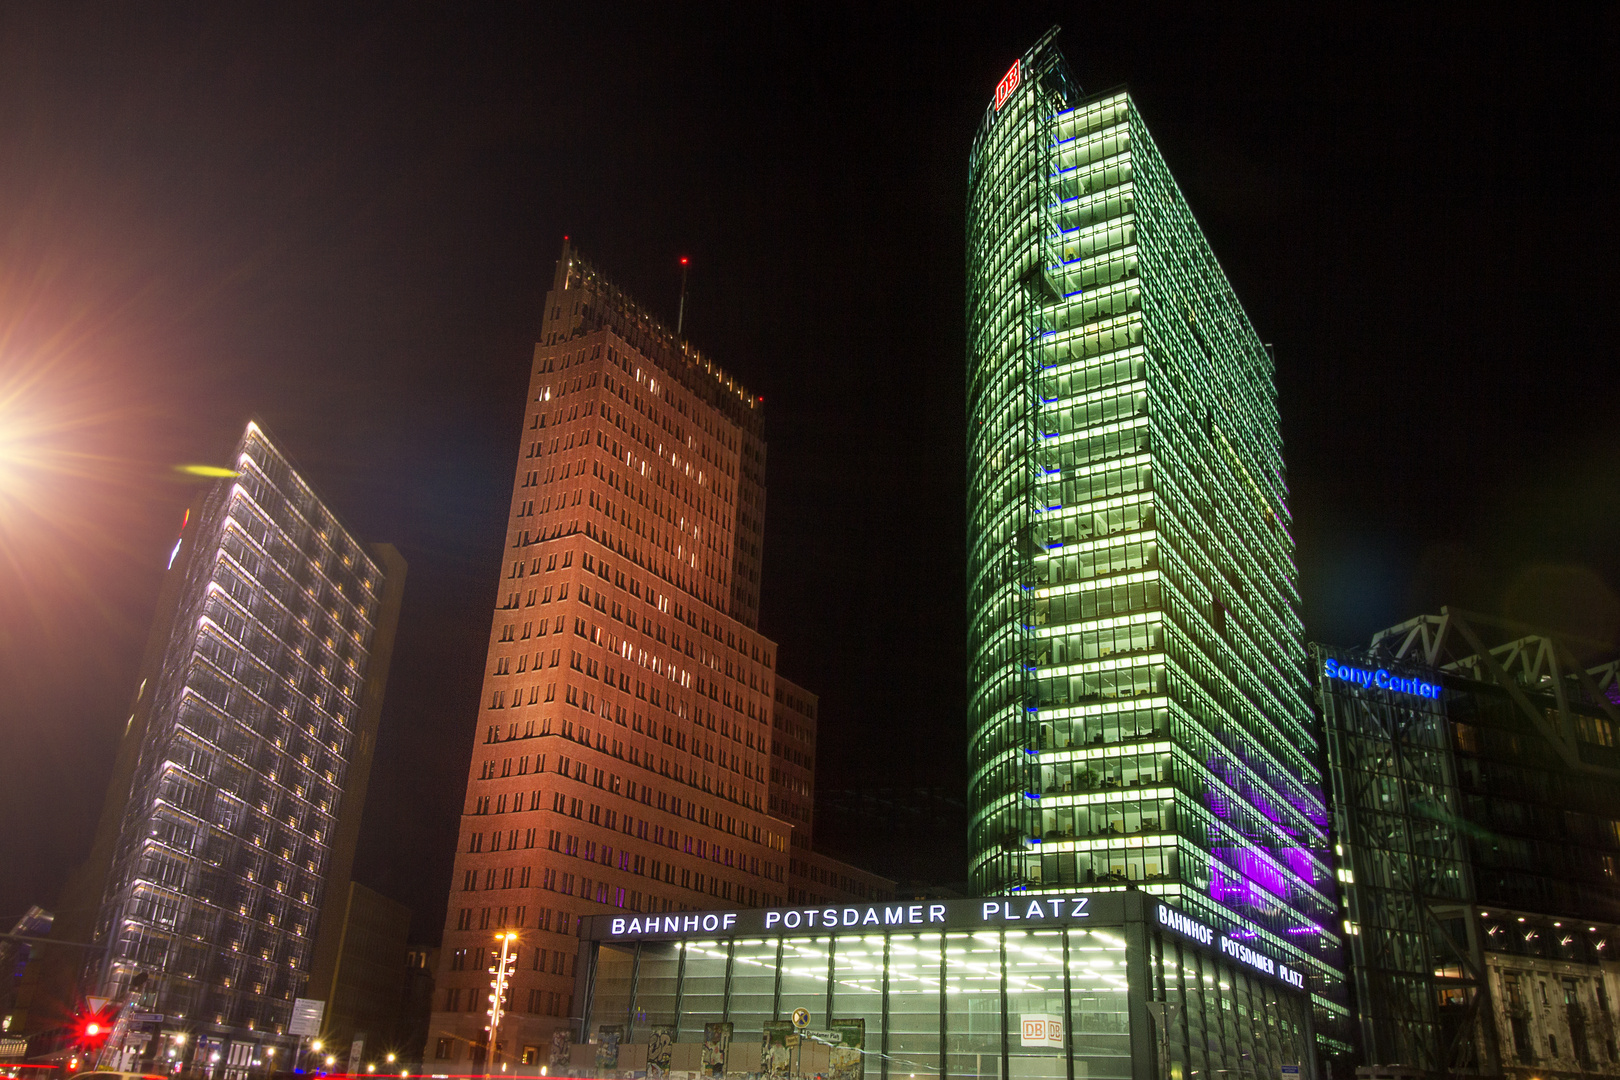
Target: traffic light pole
(113, 1034)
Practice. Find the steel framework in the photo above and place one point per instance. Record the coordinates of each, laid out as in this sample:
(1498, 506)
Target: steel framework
(1405, 837)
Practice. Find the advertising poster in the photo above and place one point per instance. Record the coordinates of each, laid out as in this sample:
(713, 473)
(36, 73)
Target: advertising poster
(848, 1058)
(716, 1042)
(607, 1046)
(776, 1049)
(660, 1046)
(561, 1047)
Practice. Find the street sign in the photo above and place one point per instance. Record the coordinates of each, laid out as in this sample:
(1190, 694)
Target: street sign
(1290, 1072)
(801, 1018)
(306, 1017)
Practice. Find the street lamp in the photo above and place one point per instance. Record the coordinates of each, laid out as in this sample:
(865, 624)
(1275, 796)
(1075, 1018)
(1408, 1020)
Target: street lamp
(502, 971)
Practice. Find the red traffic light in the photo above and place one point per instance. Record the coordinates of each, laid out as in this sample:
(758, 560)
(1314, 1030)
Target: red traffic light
(93, 1028)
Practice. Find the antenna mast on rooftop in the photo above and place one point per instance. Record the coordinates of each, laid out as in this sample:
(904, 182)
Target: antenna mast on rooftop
(680, 318)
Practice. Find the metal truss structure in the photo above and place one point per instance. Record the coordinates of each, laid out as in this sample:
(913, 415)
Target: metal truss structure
(1531, 662)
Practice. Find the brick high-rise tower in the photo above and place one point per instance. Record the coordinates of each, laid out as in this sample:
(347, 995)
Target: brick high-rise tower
(624, 742)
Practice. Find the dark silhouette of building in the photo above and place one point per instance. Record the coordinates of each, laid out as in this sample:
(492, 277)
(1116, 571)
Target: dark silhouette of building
(416, 1001)
(366, 996)
(914, 832)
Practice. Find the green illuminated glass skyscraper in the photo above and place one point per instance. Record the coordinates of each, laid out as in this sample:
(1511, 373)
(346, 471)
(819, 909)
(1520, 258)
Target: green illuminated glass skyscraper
(1138, 713)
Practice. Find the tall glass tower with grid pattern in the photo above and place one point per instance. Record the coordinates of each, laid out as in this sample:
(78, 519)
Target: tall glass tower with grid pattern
(235, 803)
(1138, 713)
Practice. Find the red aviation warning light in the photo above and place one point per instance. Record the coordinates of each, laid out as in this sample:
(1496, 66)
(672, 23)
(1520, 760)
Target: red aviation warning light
(680, 319)
(1008, 83)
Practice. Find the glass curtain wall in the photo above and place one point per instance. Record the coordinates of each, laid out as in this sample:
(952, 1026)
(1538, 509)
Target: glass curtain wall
(1138, 708)
(913, 1025)
(1401, 820)
(754, 968)
(875, 1003)
(973, 1004)
(1225, 1023)
(804, 977)
(703, 988)
(1037, 989)
(857, 1004)
(219, 874)
(1100, 1023)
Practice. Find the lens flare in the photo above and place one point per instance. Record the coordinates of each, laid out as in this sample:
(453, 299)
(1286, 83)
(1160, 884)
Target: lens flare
(71, 495)
(50, 455)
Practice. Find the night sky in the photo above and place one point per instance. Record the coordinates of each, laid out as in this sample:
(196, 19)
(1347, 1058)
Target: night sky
(344, 225)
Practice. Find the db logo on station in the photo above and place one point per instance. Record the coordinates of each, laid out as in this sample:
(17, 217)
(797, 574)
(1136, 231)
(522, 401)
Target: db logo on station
(1042, 1030)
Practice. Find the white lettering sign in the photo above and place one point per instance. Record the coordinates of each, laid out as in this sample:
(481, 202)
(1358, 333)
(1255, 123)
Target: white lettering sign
(1055, 907)
(874, 915)
(999, 911)
(1188, 927)
(673, 924)
(1184, 925)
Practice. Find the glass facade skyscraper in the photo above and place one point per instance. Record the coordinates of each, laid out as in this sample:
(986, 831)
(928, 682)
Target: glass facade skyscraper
(236, 797)
(1138, 712)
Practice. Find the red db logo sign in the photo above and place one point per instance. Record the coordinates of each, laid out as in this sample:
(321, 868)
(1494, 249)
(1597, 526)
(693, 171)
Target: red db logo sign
(1008, 83)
